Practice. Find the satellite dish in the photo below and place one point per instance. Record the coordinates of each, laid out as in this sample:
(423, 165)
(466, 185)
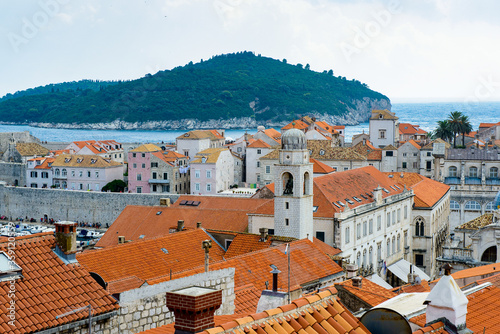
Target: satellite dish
(99, 280)
(418, 280)
(385, 321)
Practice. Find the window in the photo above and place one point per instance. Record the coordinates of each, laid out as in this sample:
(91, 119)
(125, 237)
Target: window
(209, 187)
(176, 175)
(34, 174)
(347, 235)
(379, 251)
(399, 215)
(381, 134)
(96, 175)
(415, 154)
(370, 226)
(320, 235)
(89, 173)
(154, 175)
(419, 227)
(287, 222)
(452, 171)
(186, 153)
(143, 155)
(454, 205)
(406, 212)
(428, 165)
(472, 206)
(419, 260)
(57, 172)
(139, 190)
(389, 153)
(197, 187)
(259, 151)
(358, 231)
(139, 177)
(493, 172)
(165, 176)
(393, 217)
(154, 187)
(364, 229)
(388, 246)
(165, 188)
(287, 205)
(404, 164)
(429, 154)
(45, 175)
(406, 238)
(154, 165)
(268, 169)
(34, 185)
(258, 164)
(399, 242)
(143, 165)
(473, 172)
(64, 172)
(88, 186)
(97, 187)
(490, 207)
(134, 165)
(379, 223)
(258, 177)
(393, 245)
(209, 174)
(80, 186)
(415, 164)
(197, 174)
(404, 154)
(133, 155)
(346, 168)
(388, 219)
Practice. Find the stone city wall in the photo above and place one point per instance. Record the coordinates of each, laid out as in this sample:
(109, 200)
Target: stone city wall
(73, 205)
(13, 173)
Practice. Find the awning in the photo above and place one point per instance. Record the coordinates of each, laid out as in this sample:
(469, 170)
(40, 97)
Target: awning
(380, 281)
(401, 269)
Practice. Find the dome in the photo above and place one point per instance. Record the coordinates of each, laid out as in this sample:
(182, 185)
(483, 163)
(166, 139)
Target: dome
(293, 139)
(261, 128)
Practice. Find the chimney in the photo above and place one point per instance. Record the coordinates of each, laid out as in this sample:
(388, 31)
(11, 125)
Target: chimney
(446, 300)
(275, 273)
(357, 282)
(351, 270)
(121, 239)
(194, 308)
(66, 241)
(206, 245)
(263, 234)
(377, 195)
(180, 225)
(198, 225)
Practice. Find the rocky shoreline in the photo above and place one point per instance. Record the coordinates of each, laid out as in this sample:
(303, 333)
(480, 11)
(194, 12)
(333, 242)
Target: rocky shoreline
(361, 113)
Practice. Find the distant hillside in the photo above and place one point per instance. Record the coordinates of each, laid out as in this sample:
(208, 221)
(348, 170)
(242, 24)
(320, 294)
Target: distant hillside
(224, 87)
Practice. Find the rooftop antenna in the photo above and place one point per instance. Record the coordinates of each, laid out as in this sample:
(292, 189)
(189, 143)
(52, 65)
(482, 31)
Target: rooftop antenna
(89, 306)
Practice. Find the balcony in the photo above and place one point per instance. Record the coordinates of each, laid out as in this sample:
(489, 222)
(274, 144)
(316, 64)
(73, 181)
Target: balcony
(452, 180)
(492, 181)
(158, 181)
(457, 254)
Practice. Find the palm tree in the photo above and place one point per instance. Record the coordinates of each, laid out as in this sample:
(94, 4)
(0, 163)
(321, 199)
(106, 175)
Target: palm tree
(443, 130)
(465, 128)
(454, 119)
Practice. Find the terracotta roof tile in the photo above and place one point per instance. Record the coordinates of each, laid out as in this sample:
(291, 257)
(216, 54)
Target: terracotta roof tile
(477, 271)
(495, 280)
(30, 149)
(371, 293)
(477, 223)
(409, 288)
(246, 243)
(147, 259)
(49, 288)
(83, 161)
(201, 134)
(321, 168)
(211, 155)
(259, 144)
(296, 124)
(386, 114)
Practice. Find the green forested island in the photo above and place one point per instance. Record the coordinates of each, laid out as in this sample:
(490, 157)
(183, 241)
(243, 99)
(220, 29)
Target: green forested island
(226, 86)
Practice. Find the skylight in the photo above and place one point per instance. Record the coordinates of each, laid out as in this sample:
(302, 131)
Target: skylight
(9, 270)
(164, 250)
(338, 206)
(356, 199)
(349, 201)
(397, 186)
(341, 203)
(364, 196)
(315, 208)
(387, 191)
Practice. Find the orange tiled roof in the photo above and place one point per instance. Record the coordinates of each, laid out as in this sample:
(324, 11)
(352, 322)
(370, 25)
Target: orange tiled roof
(318, 313)
(46, 164)
(30, 149)
(48, 288)
(296, 124)
(321, 168)
(386, 114)
(307, 262)
(259, 144)
(248, 298)
(169, 329)
(147, 259)
(246, 243)
(124, 284)
(136, 221)
(412, 142)
(495, 280)
(437, 327)
(368, 150)
(409, 288)
(487, 125)
(483, 311)
(219, 202)
(477, 271)
(409, 129)
(371, 293)
(427, 192)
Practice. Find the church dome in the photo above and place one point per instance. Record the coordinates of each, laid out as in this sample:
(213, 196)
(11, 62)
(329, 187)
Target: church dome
(293, 139)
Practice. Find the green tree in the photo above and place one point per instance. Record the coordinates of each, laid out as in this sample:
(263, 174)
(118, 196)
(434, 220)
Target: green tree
(443, 130)
(454, 119)
(465, 128)
(115, 186)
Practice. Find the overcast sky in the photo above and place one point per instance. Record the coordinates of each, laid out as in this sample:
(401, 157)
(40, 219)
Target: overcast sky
(407, 50)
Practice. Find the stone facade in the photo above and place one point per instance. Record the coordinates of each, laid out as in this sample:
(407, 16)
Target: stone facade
(13, 173)
(70, 205)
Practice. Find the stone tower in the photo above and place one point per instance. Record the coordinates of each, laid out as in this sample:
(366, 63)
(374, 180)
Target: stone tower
(293, 188)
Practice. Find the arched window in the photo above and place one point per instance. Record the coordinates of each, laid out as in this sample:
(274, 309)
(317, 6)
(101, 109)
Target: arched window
(452, 171)
(358, 259)
(419, 227)
(307, 183)
(473, 171)
(493, 172)
(454, 205)
(64, 173)
(388, 246)
(347, 234)
(364, 258)
(64, 185)
(472, 206)
(57, 172)
(399, 242)
(393, 245)
(490, 255)
(370, 256)
(490, 207)
(287, 179)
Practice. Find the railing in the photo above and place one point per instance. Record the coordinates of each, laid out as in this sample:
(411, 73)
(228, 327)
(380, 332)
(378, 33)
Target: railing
(457, 254)
(158, 181)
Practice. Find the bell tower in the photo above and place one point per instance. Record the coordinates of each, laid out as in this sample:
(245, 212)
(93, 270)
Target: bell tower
(293, 188)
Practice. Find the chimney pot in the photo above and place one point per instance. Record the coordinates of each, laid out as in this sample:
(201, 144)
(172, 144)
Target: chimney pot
(66, 237)
(121, 239)
(357, 281)
(198, 225)
(263, 233)
(180, 225)
(165, 202)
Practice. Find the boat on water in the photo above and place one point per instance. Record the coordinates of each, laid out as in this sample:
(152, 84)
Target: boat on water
(88, 234)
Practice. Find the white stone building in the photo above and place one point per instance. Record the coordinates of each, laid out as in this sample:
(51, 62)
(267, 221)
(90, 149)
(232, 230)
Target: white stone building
(196, 141)
(39, 172)
(212, 171)
(384, 128)
(255, 150)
